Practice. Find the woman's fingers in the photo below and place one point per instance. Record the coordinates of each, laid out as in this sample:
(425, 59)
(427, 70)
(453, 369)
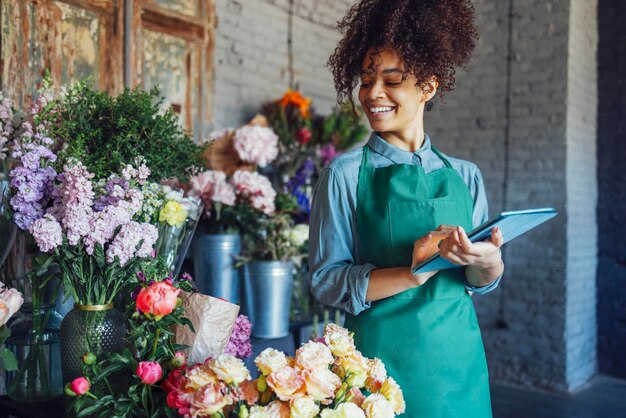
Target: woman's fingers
(496, 237)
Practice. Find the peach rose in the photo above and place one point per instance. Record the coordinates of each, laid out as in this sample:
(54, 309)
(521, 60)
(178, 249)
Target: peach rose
(286, 383)
(158, 299)
(278, 409)
(198, 376)
(392, 392)
(339, 340)
(321, 384)
(313, 355)
(270, 360)
(209, 400)
(376, 375)
(355, 367)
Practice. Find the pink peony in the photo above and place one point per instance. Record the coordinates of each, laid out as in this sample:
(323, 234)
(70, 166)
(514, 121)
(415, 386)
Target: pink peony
(47, 233)
(212, 187)
(210, 399)
(256, 144)
(159, 299)
(150, 372)
(80, 386)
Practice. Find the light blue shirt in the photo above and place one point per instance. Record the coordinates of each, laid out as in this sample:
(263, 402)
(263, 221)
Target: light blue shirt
(338, 277)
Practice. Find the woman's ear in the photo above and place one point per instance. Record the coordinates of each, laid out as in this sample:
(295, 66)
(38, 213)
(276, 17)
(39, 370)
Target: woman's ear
(429, 89)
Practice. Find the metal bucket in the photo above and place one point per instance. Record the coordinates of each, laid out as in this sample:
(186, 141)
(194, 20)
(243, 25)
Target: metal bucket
(268, 286)
(213, 262)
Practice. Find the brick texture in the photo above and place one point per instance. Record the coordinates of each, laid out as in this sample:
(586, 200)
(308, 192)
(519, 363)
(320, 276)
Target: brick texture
(251, 54)
(539, 326)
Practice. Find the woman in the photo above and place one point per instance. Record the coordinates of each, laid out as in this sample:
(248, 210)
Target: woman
(381, 209)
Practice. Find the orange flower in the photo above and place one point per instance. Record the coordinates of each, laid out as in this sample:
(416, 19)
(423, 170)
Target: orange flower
(294, 97)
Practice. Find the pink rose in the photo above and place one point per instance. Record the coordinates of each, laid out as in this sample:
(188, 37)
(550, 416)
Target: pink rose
(150, 372)
(80, 386)
(209, 399)
(159, 299)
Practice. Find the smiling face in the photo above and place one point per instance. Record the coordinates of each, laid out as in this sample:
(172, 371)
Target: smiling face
(393, 104)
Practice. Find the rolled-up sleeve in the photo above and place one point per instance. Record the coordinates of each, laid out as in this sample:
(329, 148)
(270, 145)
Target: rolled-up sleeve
(481, 215)
(334, 277)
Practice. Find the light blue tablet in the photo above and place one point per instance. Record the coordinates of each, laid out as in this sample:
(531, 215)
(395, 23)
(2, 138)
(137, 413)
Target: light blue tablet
(511, 223)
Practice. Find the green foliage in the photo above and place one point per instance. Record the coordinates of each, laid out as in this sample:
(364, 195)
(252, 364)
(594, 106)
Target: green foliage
(341, 128)
(147, 340)
(106, 133)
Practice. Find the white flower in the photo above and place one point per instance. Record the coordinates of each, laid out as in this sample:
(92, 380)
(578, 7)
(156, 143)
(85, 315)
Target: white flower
(171, 194)
(298, 235)
(10, 302)
(321, 384)
(270, 360)
(377, 406)
(355, 366)
(392, 392)
(304, 407)
(313, 355)
(229, 368)
(339, 343)
(344, 410)
(258, 412)
(376, 375)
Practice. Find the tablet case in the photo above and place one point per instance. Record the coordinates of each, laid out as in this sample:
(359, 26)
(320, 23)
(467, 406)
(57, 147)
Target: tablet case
(511, 223)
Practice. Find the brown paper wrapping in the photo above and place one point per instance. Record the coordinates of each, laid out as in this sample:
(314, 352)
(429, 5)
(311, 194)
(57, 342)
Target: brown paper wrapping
(213, 320)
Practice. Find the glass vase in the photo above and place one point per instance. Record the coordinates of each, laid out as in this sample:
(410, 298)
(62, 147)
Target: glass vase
(35, 341)
(89, 328)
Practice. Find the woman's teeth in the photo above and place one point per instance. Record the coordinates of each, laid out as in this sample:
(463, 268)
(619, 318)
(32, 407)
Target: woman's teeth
(380, 109)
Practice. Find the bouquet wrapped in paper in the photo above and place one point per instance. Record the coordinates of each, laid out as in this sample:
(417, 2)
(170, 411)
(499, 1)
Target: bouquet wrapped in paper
(213, 320)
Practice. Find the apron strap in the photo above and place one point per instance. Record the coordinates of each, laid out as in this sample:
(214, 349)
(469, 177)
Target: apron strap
(440, 155)
(365, 156)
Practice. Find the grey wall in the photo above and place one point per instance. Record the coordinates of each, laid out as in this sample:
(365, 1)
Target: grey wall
(612, 188)
(524, 111)
(252, 60)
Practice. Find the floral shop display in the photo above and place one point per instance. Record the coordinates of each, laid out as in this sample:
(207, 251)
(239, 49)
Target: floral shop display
(83, 165)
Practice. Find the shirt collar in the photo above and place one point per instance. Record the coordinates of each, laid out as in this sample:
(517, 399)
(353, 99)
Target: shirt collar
(397, 155)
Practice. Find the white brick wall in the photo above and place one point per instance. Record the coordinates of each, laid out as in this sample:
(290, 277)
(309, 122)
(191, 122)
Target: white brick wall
(251, 59)
(582, 230)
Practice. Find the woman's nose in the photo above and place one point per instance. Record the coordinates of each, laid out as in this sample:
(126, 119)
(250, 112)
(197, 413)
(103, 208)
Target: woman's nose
(376, 90)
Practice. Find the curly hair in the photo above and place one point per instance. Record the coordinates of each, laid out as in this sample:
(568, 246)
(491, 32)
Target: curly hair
(432, 37)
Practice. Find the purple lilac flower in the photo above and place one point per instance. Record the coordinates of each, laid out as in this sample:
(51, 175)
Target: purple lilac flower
(114, 190)
(239, 344)
(32, 180)
(125, 243)
(76, 197)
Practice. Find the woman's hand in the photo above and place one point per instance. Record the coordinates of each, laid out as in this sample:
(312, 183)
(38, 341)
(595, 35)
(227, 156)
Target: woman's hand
(483, 258)
(423, 249)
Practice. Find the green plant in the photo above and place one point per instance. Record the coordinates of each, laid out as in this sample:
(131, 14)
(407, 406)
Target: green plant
(106, 132)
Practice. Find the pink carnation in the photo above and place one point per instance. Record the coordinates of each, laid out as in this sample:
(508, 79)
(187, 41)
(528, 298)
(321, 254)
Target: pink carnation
(256, 144)
(47, 233)
(256, 189)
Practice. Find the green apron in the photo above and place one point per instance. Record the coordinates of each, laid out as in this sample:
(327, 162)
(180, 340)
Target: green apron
(428, 336)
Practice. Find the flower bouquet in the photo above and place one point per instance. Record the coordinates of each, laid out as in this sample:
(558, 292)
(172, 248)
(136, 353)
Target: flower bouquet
(325, 379)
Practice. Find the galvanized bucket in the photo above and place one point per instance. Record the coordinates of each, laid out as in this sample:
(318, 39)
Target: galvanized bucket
(268, 286)
(214, 265)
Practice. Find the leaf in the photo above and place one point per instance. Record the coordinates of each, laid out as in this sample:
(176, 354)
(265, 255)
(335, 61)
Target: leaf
(8, 359)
